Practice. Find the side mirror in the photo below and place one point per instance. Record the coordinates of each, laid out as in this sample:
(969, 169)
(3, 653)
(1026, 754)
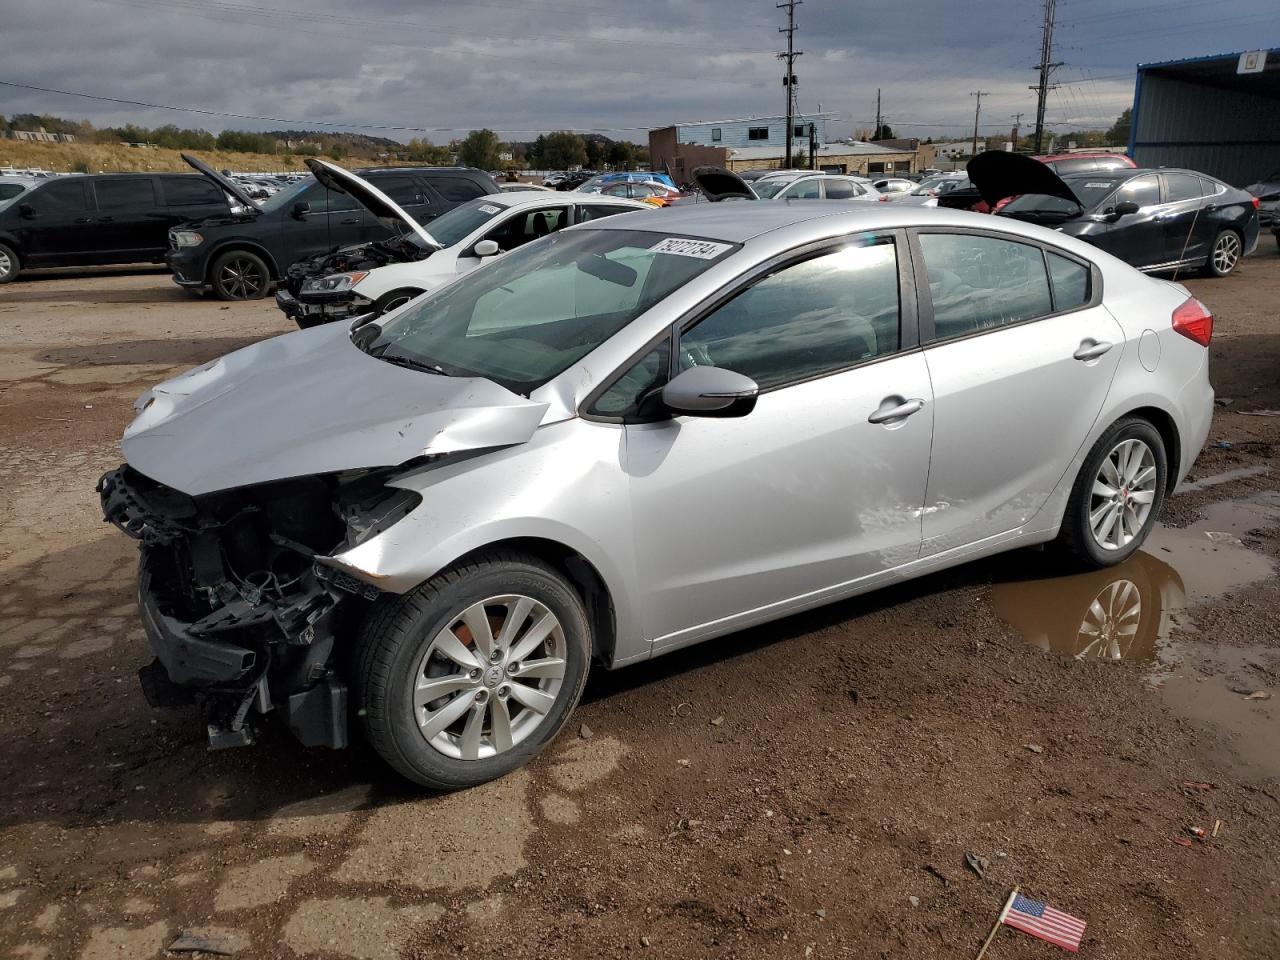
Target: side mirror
(26, 211)
(486, 248)
(1124, 208)
(300, 210)
(710, 392)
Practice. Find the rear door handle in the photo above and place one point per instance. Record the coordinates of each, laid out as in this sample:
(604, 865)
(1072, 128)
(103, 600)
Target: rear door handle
(350, 220)
(106, 219)
(83, 220)
(1092, 349)
(900, 411)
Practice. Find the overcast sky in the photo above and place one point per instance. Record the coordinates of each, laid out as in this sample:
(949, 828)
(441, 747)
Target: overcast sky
(616, 66)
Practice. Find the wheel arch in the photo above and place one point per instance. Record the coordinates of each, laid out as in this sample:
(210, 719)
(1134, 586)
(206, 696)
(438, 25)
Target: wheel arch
(249, 246)
(1169, 436)
(582, 576)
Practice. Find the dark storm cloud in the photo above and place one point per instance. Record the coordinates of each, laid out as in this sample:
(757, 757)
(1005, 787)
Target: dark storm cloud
(521, 66)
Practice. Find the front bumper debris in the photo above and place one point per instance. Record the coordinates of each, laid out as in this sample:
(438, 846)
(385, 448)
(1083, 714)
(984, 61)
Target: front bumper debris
(241, 617)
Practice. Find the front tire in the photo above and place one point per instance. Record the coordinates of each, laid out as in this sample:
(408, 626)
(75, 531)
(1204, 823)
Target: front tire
(1117, 495)
(394, 300)
(240, 275)
(472, 674)
(10, 264)
(1225, 254)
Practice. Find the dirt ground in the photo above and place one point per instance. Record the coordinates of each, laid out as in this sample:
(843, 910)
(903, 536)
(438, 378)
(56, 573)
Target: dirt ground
(805, 789)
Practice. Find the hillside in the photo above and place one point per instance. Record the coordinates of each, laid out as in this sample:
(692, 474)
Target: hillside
(117, 158)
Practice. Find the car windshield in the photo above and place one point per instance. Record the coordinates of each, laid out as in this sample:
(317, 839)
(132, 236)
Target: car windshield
(594, 185)
(449, 228)
(536, 311)
(1090, 190)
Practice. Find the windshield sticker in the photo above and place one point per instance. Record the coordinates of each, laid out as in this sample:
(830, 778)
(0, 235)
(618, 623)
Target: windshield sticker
(489, 208)
(1097, 186)
(701, 249)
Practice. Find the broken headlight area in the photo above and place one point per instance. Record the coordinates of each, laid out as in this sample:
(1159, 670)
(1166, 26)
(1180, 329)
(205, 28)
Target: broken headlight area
(361, 258)
(239, 612)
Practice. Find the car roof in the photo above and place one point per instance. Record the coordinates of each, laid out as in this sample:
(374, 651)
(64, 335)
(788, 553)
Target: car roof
(518, 198)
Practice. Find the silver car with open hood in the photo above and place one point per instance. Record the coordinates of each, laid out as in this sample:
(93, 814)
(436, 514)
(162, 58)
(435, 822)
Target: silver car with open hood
(630, 436)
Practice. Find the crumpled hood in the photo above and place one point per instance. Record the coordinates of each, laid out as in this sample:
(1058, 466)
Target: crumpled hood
(311, 402)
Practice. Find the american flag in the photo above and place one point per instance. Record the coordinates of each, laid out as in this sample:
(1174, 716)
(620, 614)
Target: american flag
(1041, 920)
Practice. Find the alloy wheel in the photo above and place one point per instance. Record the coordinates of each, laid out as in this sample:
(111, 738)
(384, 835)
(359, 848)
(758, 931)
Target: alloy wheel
(241, 279)
(488, 680)
(6, 264)
(1123, 493)
(1226, 253)
(1111, 622)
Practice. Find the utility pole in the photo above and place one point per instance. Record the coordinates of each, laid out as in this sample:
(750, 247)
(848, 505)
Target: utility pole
(789, 78)
(1017, 125)
(875, 135)
(976, 112)
(1046, 67)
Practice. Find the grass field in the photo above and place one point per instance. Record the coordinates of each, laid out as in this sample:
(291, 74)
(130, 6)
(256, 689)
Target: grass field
(115, 158)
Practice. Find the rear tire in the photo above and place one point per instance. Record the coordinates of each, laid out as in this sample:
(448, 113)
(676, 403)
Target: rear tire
(1117, 496)
(240, 275)
(10, 265)
(423, 645)
(394, 300)
(1225, 254)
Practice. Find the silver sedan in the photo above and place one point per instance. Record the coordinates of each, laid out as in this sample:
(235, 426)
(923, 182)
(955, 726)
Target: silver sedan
(631, 436)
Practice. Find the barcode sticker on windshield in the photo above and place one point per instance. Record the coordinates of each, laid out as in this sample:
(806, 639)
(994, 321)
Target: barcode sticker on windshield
(1097, 186)
(489, 208)
(702, 249)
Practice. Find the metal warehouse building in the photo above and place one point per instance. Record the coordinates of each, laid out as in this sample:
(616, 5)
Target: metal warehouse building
(1219, 114)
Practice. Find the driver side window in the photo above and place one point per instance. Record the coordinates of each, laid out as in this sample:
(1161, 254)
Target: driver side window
(808, 319)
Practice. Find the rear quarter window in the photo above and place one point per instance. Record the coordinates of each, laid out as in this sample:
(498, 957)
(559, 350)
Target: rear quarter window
(190, 192)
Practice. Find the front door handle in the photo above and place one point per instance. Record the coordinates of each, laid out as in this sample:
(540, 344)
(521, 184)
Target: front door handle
(349, 221)
(83, 220)
(899, 411)
(1092, 349)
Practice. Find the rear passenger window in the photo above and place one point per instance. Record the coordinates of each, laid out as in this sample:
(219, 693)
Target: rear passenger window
(840, 189)
(1070, 283)
(190, 192)
(456, 189)
(126, 192)
(982, 283)
(806, 320)
(1181, 186)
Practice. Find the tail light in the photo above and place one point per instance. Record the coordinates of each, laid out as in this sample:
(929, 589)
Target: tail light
(1256, 201)
(1194, 321)
(884, 198)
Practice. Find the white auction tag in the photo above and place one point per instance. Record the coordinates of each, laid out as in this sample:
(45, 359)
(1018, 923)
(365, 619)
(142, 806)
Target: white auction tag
(489, 208)
(681, 247)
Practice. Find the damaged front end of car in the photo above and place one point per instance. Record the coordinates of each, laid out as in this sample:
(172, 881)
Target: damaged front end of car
(321, 289)
(242, 615)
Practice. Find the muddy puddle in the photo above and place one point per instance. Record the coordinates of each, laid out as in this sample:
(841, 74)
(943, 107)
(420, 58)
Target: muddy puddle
(1141, 611)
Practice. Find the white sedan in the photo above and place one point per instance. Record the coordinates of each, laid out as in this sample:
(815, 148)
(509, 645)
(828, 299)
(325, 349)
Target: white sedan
(457, 242)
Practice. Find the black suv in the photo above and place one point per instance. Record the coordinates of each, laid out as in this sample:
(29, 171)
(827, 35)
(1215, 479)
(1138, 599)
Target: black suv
(239, 255)
(100, 218)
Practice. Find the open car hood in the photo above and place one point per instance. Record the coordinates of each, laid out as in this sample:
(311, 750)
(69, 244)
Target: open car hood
(717, 183)
(224, 184)
(998, 175)
(312, 402)
(390, 213)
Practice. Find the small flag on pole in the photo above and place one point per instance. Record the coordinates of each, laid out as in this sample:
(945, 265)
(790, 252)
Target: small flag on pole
(1041, 920)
